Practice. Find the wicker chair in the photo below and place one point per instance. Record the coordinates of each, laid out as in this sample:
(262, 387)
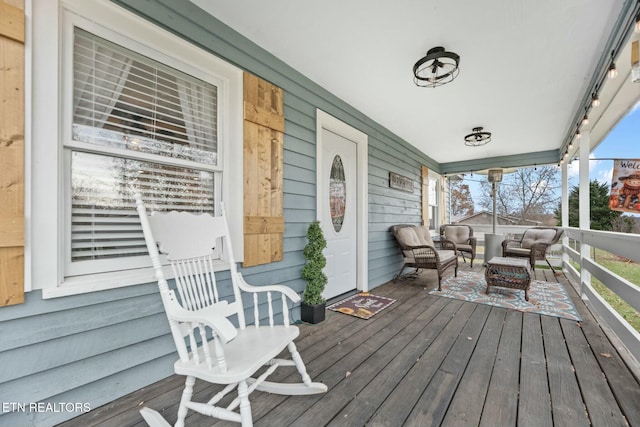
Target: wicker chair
(462, 236)
(534, 244)
(419, 250)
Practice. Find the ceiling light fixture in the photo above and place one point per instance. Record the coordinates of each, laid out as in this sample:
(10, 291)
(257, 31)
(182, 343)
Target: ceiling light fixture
(437, 68)
(578, 134)
(595, 100)
(477, 138)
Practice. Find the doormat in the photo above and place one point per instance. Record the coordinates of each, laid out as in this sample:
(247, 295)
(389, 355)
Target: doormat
(550, 299)
(362, 305)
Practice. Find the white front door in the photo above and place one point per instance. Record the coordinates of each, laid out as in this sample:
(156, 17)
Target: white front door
(338, 175)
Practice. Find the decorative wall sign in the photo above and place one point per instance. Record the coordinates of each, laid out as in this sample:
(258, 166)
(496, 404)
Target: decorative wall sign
(400, 182)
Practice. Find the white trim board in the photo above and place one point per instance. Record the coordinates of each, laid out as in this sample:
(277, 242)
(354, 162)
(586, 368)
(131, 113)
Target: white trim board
(330, 123)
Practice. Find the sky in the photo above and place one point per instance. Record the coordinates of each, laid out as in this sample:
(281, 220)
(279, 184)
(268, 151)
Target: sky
(623, 142)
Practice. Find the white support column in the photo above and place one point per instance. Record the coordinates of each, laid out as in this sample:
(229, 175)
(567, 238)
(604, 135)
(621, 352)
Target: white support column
(564, 209)
(584, 206)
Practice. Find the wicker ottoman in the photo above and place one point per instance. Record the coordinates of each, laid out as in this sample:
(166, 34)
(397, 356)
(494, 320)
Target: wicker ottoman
(514, 273)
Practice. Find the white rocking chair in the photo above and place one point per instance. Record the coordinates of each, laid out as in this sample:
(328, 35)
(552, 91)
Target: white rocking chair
(210, 347)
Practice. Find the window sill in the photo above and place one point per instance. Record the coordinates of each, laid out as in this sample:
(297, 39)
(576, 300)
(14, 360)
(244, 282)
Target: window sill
(105, 281)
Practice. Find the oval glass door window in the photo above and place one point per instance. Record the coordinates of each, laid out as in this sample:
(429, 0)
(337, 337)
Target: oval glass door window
(337, 193)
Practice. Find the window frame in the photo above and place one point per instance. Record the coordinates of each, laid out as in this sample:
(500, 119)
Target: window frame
(434, 206)
(48, 232)
(69, 145)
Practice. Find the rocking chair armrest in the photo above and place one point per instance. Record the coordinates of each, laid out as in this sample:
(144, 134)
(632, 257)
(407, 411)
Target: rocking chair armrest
(285, 290)
(208, 316)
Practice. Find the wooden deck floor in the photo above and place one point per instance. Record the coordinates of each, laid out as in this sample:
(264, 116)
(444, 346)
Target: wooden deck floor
(432, 361)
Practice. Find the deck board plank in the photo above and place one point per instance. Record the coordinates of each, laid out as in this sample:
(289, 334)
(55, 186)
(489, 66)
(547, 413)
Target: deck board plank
(400, 400)
(350, 355)
(449, 359)
(374, 393)
(534, 406)
(566, 400)
(403, 349)
(432, 361)
(620, 378)
(501, 404)
(599, 401)
(466, 408)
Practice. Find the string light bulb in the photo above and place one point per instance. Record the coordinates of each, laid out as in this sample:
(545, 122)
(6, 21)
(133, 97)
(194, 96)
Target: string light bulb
(585, 120)
(578, 134)
(636, 28)
(595, 100)
(613, 72)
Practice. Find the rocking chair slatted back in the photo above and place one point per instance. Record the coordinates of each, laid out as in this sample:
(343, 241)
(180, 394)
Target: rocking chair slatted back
(209, 345)
(191, 243)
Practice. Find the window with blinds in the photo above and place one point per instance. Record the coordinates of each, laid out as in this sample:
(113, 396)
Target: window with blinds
(434, 205)
(138, 126)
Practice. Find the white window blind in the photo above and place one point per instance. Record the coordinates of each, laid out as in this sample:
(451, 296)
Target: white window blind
(138, 126)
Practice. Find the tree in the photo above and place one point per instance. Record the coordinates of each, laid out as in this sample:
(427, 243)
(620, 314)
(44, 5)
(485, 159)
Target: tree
(526, 193)
(461, 200)
(624, 224)
(601, 217)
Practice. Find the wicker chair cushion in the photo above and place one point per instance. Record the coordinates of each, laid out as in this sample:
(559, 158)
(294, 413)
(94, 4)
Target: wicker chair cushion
(446, 255)
(414, 236)
(456, 233)
(407, 237)
(462, 247)
(423, 235)
(518, 252)
(533, 235)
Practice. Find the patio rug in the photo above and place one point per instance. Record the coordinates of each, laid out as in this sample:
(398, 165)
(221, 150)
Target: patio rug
(362, 305)
(550, 299)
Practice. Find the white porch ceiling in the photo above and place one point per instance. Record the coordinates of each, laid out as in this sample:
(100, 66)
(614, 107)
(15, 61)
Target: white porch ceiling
(525, 65)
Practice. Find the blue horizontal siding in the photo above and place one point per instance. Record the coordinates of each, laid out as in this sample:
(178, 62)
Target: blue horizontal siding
(99, 346)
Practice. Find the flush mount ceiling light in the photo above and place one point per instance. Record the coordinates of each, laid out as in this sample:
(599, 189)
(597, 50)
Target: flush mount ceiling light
(477, 138)
(437, 68)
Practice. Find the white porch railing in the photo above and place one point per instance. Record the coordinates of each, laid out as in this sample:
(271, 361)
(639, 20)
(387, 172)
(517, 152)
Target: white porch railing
(621, 244)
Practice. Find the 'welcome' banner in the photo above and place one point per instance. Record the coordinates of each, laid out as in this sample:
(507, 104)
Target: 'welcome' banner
(625, 186)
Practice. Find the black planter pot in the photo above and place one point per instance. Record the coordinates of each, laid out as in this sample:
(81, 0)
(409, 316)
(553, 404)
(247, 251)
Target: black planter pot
(312, 313)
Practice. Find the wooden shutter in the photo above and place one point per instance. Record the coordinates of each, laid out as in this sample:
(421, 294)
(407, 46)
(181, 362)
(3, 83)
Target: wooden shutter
(11, 153)
(263, 171)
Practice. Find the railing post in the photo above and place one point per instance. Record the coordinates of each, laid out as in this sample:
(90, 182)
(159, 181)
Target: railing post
(584, 208)
(564, 209)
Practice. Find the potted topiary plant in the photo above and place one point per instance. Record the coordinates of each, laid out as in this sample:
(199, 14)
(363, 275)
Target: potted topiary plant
(313, 304)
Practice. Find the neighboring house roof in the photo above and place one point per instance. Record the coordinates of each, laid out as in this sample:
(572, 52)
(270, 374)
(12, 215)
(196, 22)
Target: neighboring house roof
(485, 217)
